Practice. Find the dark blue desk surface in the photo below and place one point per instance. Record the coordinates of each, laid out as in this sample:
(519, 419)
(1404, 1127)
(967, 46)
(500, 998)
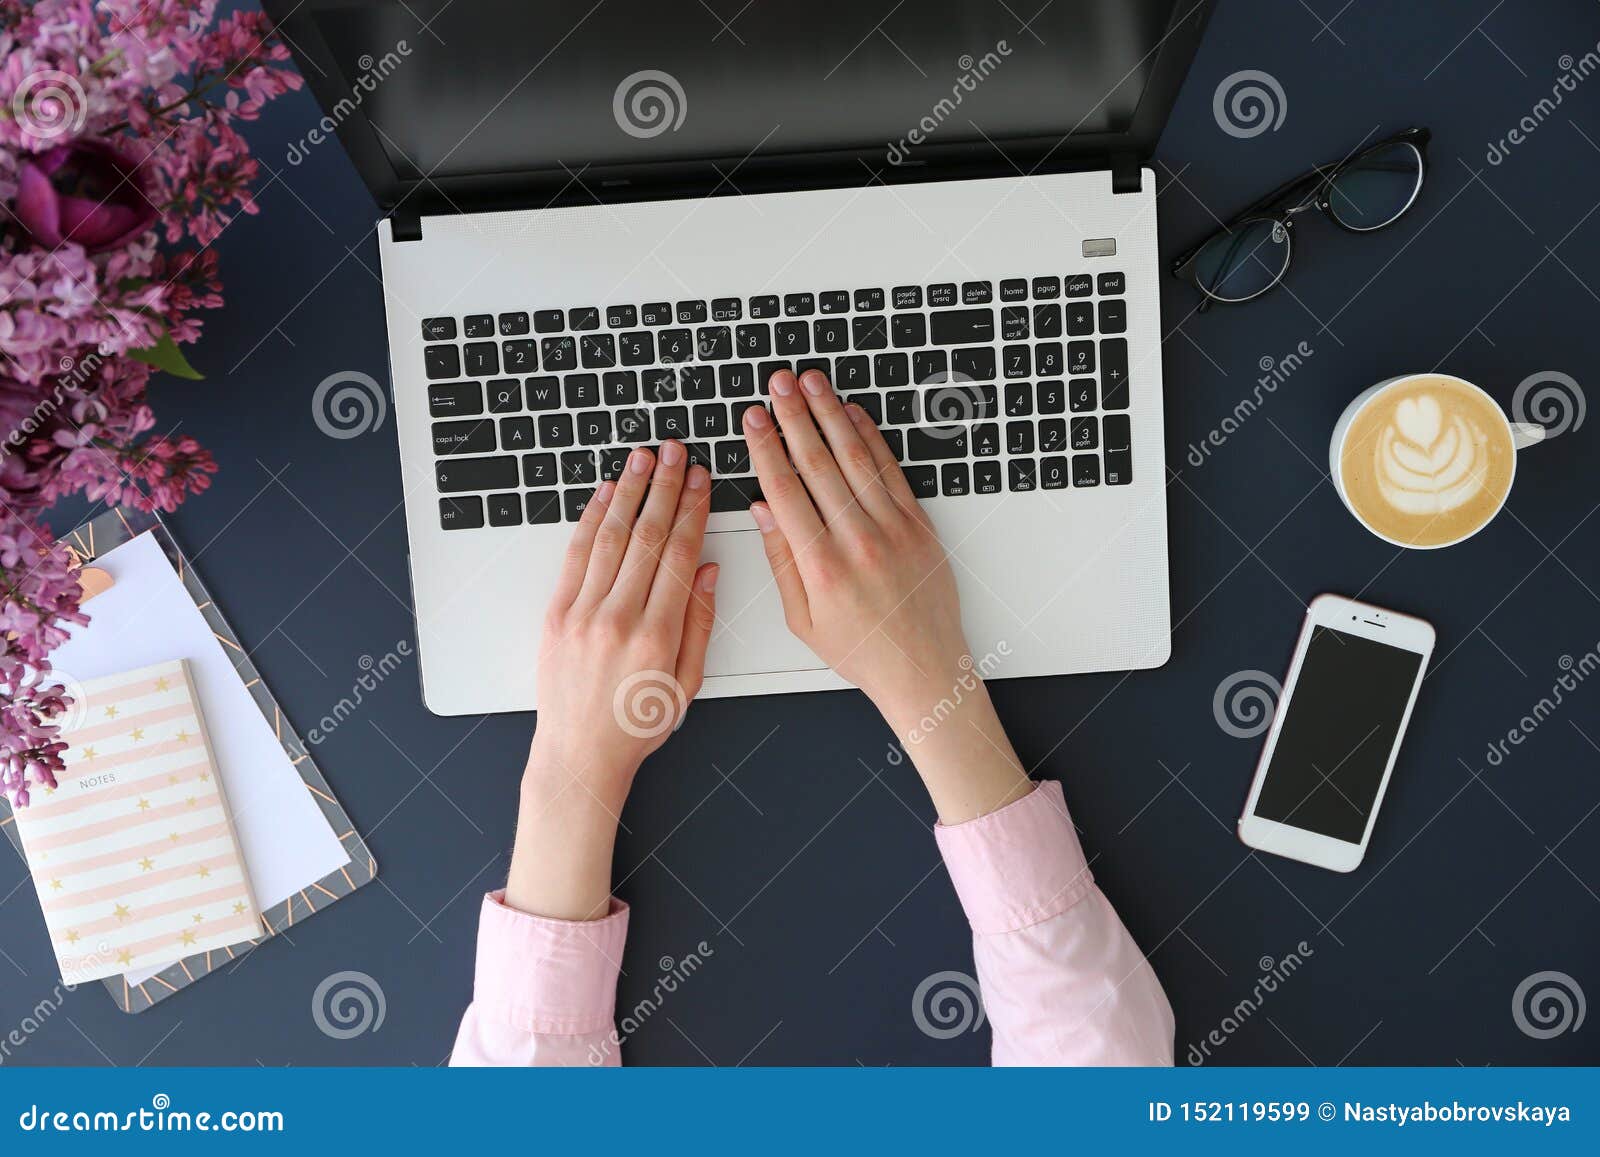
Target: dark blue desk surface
(812, 874)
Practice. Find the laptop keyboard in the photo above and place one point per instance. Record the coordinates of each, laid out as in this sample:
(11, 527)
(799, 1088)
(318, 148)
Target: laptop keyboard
(980, 388)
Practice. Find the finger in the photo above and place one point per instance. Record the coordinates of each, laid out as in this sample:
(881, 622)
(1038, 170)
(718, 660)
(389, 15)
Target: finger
(681, 554)
(652, 527)
(884, 462)
(844, 442)
(812, 459)
(576, 563)
(780, 557)
(616, 528)
(699, 617)
(780, 486)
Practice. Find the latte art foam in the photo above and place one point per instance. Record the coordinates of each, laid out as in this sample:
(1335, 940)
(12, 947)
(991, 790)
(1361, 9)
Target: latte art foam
(1427, 463)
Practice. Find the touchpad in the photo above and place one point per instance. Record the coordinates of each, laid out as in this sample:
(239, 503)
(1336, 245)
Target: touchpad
(750, 636)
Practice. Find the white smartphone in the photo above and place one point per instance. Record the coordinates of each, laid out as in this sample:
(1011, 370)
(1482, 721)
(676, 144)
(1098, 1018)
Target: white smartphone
(1333, 741)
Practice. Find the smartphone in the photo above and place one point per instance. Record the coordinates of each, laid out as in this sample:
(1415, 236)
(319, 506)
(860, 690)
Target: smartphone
(1334, 738)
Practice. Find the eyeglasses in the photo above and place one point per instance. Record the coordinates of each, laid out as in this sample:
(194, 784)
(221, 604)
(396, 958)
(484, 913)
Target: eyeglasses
(1360, 194)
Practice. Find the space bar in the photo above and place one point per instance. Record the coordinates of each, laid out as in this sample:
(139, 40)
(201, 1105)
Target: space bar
(963, 326)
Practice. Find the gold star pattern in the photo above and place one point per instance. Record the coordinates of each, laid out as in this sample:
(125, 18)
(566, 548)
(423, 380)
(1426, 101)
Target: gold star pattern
(174, 837)
(199, 918)
(205, 872)
(49, 791)
(89, 753)
(111, 711)
(205, 777)
(187, 936)
(73, 937)
(136, 734)
(238, 907)
(190, 801)
(125, 957)
(182, 736)
(161, 683)
(56, 885)
(146, 864)
(122, 912)
(144, 805)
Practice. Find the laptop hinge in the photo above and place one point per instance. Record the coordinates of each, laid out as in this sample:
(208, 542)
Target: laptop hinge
(1125, 173)
(405, 226)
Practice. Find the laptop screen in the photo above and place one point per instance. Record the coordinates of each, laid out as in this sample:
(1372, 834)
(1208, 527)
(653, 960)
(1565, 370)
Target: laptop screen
(460, 90)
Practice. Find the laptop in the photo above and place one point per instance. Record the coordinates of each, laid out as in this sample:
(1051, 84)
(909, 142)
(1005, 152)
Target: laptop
(607, 223)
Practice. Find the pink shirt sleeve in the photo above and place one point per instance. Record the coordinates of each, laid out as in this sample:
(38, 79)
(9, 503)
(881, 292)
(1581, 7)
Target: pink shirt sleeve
(1063, 983)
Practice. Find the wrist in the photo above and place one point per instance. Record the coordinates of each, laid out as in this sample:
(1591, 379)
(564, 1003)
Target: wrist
(560, 778)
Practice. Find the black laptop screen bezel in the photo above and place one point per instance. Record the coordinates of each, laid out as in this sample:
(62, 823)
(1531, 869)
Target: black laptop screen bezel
(665, 180)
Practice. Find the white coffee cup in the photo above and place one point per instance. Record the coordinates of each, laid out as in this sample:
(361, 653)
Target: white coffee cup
(1523, 435)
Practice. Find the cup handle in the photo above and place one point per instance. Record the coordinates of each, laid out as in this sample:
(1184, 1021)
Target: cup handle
(1525, 434)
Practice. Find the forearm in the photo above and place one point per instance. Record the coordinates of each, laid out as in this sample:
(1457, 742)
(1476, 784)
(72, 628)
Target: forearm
(960, 749)
(566, 833)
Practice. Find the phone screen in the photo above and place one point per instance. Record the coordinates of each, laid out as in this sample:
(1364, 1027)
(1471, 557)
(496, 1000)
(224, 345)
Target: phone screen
(1341, 723)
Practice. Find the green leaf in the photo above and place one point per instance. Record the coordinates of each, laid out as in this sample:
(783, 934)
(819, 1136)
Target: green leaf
(165, 355)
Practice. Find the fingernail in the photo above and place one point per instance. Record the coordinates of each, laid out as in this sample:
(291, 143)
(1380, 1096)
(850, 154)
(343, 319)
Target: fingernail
(813, 381)
(698, 477)
(708, 578)
(782, 383)
(639, 462)
(763, 516)
(603, 495)
(757, 418)
(671, 453)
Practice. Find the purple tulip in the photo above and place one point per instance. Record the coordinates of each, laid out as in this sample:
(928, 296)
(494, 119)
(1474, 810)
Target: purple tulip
(86, 193)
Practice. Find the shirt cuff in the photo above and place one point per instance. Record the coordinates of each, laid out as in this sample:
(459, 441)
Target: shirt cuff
(549, 976)
(1017, 866)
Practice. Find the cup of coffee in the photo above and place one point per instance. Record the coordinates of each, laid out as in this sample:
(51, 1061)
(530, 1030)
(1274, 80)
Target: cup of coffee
(1426, 460)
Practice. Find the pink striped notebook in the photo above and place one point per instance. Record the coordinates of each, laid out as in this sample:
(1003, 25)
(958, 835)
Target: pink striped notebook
(133, 854)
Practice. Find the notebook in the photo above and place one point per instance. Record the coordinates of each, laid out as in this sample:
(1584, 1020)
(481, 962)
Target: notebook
(133, 853)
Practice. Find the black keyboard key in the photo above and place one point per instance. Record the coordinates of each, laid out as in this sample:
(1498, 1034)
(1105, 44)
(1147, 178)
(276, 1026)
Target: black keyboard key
(976, 364)
(1112, 283)
(1080, 358)
(959, 402)
(542, 393)
(1053, 435)
(456, 474)
(764, 306)
(1079, 285)
(1081, 394)
(1080, 319)
(1051, 396)
(456, 399)
(461, 513)
(791, 338)
(869, 332)
(656, 313)
(559, 353)
(1116, 431)
(675, 345)
(1016, 361)
(672, 422)
(891, 370)
(754, 341)
(986, 478)
(1086, 470)
(1119, 467)
(714, 343)
(482, 359)
(697, 454)
(853, 373)
(597, 350)
(577, 467)
(799, 305)
(963, 326)
(1014, 289)
(691, 312)
(731, 456)
(521, 357)
(473, 436)
(765, 370)
(659, 385)
(930, 366)
(976, 293)
(1022, 474)
(1047, 359)
(613, 460)
(1085, 433)
(512, 324)
(697, 383)
(438, 329)
(583, 390)
(1047, 321)
(1114, 316)
(1019, 399)
(544, 506)
(638, 348)
(549, 320)
(711, 421)
(902, 407)
(907, 297)
(1114, 372)
(1014, 323)
(479, 325)
(871, 403)
(555, 430)
(834, 301)
(831, 335)
(733, 494)
(538, 470)
(594, 428)
(943, 295)
(909, 330)
(1054, 472)
(633, 425)
(896, 441)
(505, 509)
(737, 380)
(516, 434)
(870, 300)
(823, 366)
(621, 387)
(622, 316)
(986, 440)
(441, 361)
(931, 443)
(726, 309)
(574, 501)
(955, 479)
(584, 317)
(1019, 437)
(924, 481)
(1046, 288)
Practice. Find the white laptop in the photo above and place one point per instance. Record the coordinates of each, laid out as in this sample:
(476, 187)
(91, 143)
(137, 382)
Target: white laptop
(607, 226)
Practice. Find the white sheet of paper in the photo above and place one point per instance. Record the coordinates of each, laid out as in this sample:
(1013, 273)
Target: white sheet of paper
(148, 616)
